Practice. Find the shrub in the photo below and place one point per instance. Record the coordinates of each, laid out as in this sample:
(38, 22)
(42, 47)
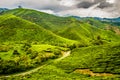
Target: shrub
(15, 52)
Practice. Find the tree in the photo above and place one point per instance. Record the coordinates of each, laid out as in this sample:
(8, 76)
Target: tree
(19, 6)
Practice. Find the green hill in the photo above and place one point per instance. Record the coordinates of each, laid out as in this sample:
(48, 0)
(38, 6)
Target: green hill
(111, 26)
(25, 45)
(85, 31)
(45, 20)
(99, 59)
(13, 28)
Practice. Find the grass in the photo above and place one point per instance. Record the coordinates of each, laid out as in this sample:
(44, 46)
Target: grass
(46, 47)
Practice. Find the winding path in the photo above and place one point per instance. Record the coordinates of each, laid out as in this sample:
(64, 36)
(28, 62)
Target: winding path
(65, 54)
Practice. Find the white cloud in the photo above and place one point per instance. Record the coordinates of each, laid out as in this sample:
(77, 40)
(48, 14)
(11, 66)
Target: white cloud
(92, 12)
(86, 13)
(68, 3)
(110, 1)
(48, 11)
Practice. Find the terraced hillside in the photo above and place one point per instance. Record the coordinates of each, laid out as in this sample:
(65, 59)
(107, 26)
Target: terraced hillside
(13, 28)
(45, 20)
(90, 63)
(85, 31)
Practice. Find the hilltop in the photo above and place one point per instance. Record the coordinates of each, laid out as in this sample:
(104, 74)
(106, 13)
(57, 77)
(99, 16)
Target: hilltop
(48, 21)
(15, 29)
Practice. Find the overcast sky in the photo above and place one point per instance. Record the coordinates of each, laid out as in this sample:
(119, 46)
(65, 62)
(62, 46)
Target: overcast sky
(83, 8)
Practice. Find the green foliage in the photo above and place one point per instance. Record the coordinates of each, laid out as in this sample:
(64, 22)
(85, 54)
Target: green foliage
(15, 52)
(4, 48)
(101, 59)
(21, 60)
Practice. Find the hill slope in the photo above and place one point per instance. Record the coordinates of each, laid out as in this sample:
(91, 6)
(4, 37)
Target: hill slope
(99, 59)
(13, 28)
(45, 20)
(87, 33)
(68, 27)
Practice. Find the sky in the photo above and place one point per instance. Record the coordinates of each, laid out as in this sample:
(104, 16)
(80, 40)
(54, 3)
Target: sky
(82, 8)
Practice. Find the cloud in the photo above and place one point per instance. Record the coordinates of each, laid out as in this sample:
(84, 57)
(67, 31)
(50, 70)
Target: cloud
(110, 1)
(8, 3)
(89, 3)
(85, 4)
(91, 11)
(48, 11)
(106, 8)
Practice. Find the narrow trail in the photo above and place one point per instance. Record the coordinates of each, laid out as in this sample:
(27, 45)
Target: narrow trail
(65, 54)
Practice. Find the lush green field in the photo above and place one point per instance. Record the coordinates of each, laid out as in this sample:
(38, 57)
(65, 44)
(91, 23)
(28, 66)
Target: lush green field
(95, 58)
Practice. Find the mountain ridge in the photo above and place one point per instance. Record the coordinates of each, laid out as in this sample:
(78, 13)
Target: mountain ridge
(20, 27)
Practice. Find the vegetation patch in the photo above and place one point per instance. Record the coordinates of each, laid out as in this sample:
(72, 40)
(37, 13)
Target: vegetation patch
(88, 72)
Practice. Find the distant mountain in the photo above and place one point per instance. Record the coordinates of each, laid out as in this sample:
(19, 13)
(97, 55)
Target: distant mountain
(108, 19)
(112, 21)
(100, 22)
(3, 9)
(98, 18)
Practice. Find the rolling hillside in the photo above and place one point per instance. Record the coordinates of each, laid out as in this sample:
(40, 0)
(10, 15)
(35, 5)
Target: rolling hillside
(13, 28)
(99, 59)
(48, 21)
(85, 31)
